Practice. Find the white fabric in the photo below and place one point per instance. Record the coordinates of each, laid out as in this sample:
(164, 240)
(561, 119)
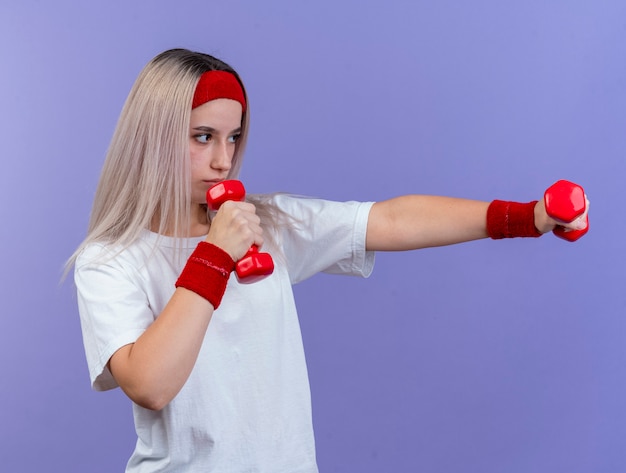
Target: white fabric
(246, 405)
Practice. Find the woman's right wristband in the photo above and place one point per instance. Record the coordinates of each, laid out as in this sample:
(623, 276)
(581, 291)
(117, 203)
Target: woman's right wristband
(207, 272)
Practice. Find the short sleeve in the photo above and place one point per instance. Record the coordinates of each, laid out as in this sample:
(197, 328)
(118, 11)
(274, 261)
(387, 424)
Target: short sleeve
(114, 310)
(325, 236)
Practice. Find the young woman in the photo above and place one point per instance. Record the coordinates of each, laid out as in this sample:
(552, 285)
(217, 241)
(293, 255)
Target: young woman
(215, 366)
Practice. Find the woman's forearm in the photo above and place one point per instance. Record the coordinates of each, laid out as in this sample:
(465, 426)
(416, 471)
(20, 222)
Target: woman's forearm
(421, 221)
(152, 370)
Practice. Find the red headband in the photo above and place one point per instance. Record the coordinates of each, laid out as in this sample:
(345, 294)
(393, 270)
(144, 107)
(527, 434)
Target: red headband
(218, 85)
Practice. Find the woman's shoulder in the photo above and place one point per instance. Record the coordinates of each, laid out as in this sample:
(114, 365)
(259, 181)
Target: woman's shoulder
(300, 206)
(114, 253)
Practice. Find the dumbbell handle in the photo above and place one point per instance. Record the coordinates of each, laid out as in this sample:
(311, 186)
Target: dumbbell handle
(253, 265)
(566, 201)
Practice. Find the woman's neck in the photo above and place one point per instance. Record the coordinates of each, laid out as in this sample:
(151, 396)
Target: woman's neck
(199, 224)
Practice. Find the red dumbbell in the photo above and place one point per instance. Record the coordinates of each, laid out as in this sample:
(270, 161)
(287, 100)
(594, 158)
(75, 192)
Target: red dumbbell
(254, 265)
(565, 201)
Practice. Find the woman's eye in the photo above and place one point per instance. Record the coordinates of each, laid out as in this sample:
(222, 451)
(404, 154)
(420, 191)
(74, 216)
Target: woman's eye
(234, 138)
(204, 138)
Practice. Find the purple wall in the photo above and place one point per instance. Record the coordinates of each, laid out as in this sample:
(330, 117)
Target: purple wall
(485, 357)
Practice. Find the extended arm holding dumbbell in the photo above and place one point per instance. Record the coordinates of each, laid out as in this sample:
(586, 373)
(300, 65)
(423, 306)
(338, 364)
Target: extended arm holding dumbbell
(419, 221)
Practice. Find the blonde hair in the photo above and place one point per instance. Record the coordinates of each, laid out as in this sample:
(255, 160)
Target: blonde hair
(146, 173)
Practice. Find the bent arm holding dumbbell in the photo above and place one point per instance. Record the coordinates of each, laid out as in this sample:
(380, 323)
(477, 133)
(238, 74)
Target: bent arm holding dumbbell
(153, 369)
(419, 221)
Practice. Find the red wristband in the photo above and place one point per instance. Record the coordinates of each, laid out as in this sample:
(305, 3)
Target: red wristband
(511, 219)
(206, 272)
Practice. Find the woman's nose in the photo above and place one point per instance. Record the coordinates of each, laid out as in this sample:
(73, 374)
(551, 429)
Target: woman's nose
(222, 157)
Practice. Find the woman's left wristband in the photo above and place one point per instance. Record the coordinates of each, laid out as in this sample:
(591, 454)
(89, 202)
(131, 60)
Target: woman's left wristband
(511, 220)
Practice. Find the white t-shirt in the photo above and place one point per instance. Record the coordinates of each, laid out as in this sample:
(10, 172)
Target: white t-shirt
(246, 406)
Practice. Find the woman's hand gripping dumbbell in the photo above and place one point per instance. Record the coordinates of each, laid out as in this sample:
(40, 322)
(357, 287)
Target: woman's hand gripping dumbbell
(567, 203)
(253, 265)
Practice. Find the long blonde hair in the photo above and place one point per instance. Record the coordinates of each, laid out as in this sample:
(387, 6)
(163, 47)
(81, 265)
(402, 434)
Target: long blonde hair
(146, 173)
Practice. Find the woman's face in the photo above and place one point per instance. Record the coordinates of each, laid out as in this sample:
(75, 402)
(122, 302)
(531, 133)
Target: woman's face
(215, 127)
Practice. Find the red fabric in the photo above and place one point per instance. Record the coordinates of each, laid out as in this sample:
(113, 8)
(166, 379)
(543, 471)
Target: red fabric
(206, 272)
(511, 219)
(218, 85)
